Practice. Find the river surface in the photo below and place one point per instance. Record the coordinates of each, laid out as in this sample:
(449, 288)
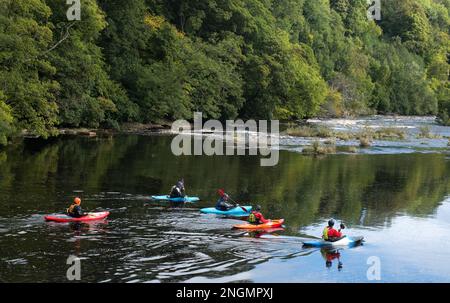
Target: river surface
(398, 201)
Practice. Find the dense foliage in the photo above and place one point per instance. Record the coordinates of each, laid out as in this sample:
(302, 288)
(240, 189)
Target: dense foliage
(146, 60)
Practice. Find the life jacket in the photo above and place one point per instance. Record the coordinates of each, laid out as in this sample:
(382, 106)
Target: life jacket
(223, 199)
(252, 219)
(223, 205)
(325, 233)
(175, 192)
(71, 207)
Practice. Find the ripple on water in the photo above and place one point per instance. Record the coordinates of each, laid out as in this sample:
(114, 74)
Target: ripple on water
(18, 261)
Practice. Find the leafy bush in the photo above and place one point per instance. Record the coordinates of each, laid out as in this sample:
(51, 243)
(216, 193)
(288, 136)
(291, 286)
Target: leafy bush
(6, 121)
(318, 149)
(390, 133)
(365, 141)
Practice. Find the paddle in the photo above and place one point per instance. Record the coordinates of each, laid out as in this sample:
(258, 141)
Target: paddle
(235, 203)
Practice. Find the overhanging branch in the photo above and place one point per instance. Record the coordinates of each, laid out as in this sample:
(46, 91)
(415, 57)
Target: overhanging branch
(64, 37)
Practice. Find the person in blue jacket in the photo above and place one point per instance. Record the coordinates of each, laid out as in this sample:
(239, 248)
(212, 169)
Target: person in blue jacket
(223, 204)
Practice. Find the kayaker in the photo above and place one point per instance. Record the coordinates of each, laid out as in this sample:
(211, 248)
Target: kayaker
(331, 234)
(178, 190)
(223, 204)
(75, 210)
(256, 216)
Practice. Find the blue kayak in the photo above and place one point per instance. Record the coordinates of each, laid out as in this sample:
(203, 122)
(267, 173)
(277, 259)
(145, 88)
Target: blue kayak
(180, 200)
(345, 241)
(237, 211)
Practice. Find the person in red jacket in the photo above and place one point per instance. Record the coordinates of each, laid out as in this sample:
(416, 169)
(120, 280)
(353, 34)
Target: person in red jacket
(331, 234)
(256, 216)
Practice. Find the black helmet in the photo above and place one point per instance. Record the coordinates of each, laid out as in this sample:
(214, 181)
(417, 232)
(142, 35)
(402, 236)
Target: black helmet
(257, 207)
(331, 223)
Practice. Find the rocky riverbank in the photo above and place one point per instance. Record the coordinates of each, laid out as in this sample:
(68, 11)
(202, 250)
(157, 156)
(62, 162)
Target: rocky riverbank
(128, 128)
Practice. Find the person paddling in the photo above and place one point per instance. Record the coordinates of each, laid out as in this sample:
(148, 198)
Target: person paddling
(256, 216)
(223, 204)
(75, 210)
(331, 234)
(178, 190)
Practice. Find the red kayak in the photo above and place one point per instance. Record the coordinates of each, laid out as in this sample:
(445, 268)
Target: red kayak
(65, 218)
(271, 224)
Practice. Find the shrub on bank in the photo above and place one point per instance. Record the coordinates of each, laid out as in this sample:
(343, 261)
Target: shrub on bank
(365, 142)
(386, 133)
(6, 121)
(318, 149)
(390, 133)
(425, 133)
(344, 136)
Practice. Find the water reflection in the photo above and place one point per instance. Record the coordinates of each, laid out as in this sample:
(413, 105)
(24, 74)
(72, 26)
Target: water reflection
(92, 226)
(330, 255)
(268, 231)
(379, 197)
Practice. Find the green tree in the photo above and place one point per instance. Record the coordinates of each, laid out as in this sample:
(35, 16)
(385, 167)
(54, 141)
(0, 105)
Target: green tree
(402, 82)
(188, 75)
(443, 96)
(6, 120)
(126, 45)
(88, 97)
(408, 20)
(26, 76)
(146, 60)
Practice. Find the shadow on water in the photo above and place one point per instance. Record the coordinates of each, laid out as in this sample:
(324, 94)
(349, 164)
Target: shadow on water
(145, 241)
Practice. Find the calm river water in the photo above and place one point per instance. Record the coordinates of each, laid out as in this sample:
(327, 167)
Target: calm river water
(399, 202)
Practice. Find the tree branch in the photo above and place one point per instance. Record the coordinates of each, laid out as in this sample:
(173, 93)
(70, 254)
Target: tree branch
(64, 37)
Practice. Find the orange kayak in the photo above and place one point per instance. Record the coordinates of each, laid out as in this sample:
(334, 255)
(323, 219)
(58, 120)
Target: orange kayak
(271, 224)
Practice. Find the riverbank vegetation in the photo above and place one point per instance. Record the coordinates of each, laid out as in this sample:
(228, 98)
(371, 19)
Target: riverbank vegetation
(147, 60)
(425, 133)
(384, 133)
(317, 149)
